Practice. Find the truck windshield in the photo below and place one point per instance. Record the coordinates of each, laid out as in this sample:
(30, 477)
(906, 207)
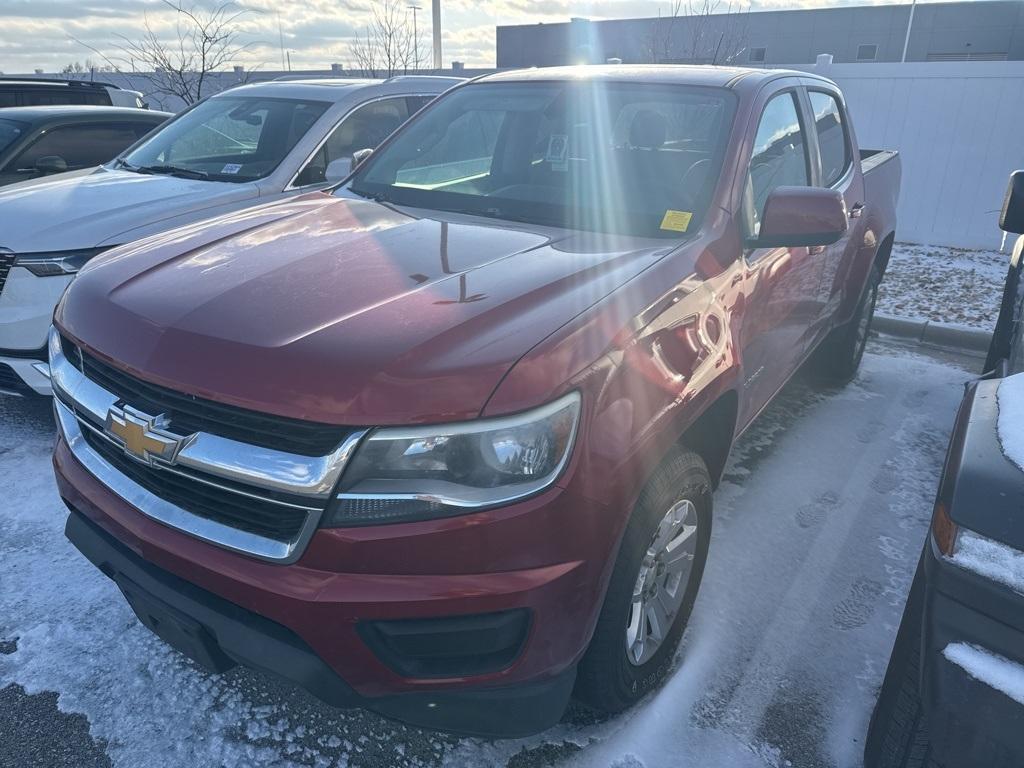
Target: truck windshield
(10, 132)
(227, 138)
(608, 157)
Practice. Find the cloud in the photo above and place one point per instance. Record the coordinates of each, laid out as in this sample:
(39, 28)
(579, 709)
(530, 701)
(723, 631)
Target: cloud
(51, 33)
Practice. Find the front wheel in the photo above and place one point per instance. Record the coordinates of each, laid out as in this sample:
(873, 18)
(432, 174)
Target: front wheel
(898, 734)
(653, 586)
(839, 356)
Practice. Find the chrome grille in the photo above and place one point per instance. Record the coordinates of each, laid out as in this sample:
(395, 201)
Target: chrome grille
(240, 495)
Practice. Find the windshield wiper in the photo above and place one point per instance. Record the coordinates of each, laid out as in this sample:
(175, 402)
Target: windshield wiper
(169, 170)
(377, 197)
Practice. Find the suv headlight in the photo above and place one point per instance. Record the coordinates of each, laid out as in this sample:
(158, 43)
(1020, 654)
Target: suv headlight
(402, 474)
(57, 262)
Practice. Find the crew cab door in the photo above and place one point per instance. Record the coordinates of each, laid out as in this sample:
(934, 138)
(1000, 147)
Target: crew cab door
(781, 285)
(835, 168)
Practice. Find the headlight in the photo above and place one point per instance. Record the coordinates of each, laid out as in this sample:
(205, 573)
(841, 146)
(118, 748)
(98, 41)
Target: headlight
(400, 474)
(56, 263)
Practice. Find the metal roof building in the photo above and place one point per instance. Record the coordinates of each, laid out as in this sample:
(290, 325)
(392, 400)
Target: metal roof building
(984, 30)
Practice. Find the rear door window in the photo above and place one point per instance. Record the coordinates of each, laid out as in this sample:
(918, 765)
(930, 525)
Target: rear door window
(832, 141)
(64, 95)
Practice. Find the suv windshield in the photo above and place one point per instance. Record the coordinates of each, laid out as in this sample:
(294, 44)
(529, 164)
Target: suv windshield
(10, 132)
(228, 138)
(610, 157)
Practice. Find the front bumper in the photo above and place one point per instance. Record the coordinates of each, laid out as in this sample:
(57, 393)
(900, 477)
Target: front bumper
(217, 634)
(461, 567)
(24, 375)
(26, 310)
(971, 723)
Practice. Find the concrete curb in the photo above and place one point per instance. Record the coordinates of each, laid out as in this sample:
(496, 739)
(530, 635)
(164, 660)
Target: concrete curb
(932, 333)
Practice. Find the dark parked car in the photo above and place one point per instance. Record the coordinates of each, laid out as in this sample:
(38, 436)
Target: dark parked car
(37, 91)
(36, 141)
(953, 695)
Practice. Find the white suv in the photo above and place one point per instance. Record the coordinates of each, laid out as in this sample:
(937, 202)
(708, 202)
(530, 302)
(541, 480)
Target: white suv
(244, 147)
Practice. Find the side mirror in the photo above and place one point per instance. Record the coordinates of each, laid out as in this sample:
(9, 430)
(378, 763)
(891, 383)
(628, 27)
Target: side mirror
(50, 164)
(1012, 217)
(339, 169)
(360, 156)
(801, 216)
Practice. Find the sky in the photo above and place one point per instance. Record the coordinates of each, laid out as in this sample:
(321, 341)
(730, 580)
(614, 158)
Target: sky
(49, 34)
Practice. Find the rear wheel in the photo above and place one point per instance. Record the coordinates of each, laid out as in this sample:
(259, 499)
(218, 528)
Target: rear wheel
(653, 586)
(839, 356)
(898, 734)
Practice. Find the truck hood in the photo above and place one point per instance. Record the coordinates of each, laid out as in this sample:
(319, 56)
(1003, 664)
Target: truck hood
(88, 209)
(342, 311)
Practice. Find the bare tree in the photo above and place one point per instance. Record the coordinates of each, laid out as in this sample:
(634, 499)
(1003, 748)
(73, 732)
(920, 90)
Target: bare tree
(204, 41)
(698, 32)
(389, 45)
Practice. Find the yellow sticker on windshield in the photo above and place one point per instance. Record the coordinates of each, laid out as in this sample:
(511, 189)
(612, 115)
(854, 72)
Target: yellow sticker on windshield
(676, 221)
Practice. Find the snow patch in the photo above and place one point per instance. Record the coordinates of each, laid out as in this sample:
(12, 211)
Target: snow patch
(988, 668)
(1011, 418)
(990, 559)
(944, 285)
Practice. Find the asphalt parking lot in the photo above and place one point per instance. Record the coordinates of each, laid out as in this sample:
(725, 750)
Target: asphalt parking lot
(817, 530)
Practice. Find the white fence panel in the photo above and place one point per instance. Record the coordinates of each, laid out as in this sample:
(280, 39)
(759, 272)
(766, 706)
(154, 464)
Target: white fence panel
(959, 127)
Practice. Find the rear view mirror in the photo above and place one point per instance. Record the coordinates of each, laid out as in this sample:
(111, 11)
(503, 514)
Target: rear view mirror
(338, 169)
(359, 157)
(51, 164)
(801, 216)
(1012, 217)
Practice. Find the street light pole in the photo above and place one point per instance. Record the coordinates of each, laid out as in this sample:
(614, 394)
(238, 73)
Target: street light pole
(435, 7)
(415, 35)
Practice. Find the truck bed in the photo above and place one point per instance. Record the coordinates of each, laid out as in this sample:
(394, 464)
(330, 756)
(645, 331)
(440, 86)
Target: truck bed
(882, 170)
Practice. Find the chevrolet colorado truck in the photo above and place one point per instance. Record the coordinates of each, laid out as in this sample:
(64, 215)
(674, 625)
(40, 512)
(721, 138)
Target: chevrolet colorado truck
(442, 442)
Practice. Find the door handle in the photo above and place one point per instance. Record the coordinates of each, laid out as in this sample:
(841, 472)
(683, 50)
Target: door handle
(814, 250)
(856, 210)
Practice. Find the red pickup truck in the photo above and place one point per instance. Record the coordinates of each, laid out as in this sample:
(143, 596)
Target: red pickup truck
(442, 442)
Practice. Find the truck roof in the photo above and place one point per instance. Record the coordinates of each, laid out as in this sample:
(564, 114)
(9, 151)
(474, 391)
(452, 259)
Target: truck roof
(688, 74)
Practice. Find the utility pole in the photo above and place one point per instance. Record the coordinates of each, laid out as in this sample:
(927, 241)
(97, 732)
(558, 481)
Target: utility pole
(280, 36)
(415, 36)
(910, 25)
(435, 7)
(289, 60)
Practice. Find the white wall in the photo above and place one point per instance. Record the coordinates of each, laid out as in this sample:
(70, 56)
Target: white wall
(959, 127)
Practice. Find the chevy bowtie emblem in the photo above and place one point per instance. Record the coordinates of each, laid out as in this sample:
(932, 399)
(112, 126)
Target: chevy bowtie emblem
(144, 437)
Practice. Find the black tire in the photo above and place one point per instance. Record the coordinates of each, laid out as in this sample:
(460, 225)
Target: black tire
(606, 680)
(837, 359)
(898, 733)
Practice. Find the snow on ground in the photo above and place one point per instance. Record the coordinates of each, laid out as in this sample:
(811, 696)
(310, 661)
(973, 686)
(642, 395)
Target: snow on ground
(818, 526)
(989, 668)
(945, 285)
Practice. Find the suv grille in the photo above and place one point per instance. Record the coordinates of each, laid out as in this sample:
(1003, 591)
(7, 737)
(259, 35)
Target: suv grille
(6, 262)
(264, 518)
(189, 414)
